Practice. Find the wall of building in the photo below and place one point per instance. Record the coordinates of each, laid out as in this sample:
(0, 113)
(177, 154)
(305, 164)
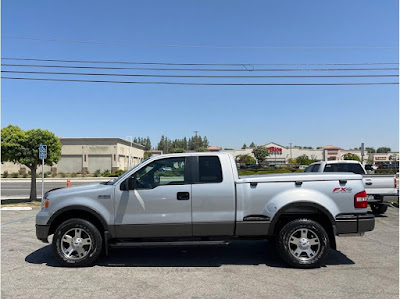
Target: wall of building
(90, 154)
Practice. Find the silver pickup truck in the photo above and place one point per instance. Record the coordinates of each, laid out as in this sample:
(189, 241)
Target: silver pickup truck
(376, 186)
(198, 198)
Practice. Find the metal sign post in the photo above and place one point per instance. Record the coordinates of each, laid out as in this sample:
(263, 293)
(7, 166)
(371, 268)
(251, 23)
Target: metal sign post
(43, 156)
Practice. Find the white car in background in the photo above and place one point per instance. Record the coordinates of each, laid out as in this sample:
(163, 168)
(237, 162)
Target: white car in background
(377, 186)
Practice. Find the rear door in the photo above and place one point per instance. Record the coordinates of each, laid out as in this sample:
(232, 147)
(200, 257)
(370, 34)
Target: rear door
(213, 196)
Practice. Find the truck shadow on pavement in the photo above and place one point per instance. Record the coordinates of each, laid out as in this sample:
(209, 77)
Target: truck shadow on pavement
(237, 253)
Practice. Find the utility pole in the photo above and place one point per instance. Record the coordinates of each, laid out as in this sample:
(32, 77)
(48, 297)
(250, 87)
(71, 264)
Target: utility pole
(290, 147)
(362, 153)
(195, 144)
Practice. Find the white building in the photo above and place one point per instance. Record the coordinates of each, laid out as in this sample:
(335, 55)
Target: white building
(279, 154)
(79, 155)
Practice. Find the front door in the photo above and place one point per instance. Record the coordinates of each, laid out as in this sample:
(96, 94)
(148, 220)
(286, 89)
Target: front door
(160, 203)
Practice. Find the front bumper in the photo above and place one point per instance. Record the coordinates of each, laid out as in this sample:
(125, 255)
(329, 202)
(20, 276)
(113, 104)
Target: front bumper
(42, 232)
(354, 223)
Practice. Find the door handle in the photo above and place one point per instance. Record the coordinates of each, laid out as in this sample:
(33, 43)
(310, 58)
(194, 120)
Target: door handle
(368, 183)
(182, 196)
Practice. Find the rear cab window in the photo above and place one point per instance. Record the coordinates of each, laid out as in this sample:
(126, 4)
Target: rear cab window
(344, 167)
(210, 170)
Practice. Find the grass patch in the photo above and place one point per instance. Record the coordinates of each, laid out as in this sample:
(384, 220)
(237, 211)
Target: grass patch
(20, 203)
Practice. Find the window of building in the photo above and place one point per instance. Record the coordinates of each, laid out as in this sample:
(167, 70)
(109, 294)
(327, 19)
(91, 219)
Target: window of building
(210, 170)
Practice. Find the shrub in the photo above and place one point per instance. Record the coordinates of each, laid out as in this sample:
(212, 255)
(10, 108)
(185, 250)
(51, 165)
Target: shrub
(106, 173)
(117, 173)
(21, 172)
(73, 175)
(386, 171)
(63, 175)
(5, 174)
(53, 174)
(25, 175)
(97, 173)
(45, 175)
(14, 175)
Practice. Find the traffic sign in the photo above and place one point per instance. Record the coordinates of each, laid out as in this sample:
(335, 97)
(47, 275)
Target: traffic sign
(42, 151)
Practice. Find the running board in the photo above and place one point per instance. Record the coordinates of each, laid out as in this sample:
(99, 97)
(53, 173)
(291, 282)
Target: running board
(162, 244)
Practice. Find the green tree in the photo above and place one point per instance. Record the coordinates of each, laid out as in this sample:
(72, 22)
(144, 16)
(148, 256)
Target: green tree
(146, 155)
(370, 150)
(22, 147)
(202, 149)
(260, 153)
(244, 146)
(350, 156)
(252, 145)
(245, 159)
(178, 150)
(292, 161)
(303, 160)
(383, 150)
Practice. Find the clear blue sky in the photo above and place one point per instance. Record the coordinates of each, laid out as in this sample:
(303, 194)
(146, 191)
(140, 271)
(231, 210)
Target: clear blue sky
(335, 31)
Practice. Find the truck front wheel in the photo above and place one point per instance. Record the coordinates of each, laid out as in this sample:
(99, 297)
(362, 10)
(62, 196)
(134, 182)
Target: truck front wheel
(303, 243)
(77, 243)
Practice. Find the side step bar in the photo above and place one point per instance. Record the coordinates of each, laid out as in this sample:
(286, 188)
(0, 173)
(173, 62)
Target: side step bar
(161, 244)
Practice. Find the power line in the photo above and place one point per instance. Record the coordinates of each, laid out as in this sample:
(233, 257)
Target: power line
(201, 76)
(203, 46)
(187, 64)
(201, 69)
(205, 84)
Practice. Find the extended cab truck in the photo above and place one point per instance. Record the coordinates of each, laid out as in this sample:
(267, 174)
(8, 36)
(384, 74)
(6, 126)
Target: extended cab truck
(376, 186)
(198, 198)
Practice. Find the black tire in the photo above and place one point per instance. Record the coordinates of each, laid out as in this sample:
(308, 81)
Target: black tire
(90, 252)
(311, 256)
(378, 208)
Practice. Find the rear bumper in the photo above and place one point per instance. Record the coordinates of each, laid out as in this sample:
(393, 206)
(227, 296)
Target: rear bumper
(354, 223)
(42, 232)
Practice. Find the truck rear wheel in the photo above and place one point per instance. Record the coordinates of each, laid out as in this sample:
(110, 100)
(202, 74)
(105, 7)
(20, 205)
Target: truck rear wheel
(303, 243)
(378, 208)
(77, 243)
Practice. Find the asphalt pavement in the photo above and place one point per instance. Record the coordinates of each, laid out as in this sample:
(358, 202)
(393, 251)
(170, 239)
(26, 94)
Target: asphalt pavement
(363, 267)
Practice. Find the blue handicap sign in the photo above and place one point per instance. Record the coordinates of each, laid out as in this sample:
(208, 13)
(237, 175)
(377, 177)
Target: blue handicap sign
(42, 151)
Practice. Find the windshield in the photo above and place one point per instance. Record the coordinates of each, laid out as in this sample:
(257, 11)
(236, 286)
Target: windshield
(112, 182)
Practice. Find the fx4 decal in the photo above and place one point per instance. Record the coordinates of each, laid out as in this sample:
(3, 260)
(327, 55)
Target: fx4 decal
(342, 190)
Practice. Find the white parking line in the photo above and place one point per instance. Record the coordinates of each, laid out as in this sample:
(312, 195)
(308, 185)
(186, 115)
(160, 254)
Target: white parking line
(16, 209)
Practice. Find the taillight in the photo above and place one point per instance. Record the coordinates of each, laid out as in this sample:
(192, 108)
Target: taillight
(360, 200)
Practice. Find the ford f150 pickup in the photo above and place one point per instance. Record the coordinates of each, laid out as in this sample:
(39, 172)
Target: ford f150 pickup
(198, 198)
(376, 186)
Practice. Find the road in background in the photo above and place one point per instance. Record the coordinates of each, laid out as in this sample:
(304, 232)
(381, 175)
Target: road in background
(21, 188)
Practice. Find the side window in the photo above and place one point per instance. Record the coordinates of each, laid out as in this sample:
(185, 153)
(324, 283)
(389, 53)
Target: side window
(315, 168)
(161, 172)
(309, 168)
(210, 170)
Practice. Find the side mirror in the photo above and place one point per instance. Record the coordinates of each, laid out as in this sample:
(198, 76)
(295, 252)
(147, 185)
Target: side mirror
(128, 184)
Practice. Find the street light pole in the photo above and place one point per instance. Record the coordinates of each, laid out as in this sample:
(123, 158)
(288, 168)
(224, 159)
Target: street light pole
(130, 151)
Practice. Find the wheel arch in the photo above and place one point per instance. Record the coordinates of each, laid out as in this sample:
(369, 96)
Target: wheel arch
(304, 209)
(77, 211)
